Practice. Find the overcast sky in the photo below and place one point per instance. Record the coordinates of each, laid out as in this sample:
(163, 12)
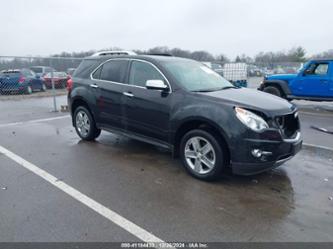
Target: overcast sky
(231, 27)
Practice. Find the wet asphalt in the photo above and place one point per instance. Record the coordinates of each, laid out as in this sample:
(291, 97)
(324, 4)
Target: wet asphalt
(144, 184)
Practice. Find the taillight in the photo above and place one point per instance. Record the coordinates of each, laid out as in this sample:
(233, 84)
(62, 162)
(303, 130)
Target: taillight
(21, 80)
(69, 84)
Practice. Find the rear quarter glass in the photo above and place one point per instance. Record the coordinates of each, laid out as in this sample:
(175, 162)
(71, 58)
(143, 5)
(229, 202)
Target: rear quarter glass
(85, 68)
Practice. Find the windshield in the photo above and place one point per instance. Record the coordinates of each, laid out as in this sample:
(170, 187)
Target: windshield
(194, 76)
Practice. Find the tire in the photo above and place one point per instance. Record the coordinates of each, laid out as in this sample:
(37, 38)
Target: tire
(28, 90)
(85, 125)
(43, 88)
(195, 159)
(273, 90)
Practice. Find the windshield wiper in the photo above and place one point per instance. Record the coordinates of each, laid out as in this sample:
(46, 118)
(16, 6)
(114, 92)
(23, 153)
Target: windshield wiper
(206, 90)
(214, 89)
(228, 87)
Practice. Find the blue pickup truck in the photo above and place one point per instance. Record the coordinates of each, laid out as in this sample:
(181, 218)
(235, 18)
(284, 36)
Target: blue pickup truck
(313, 82)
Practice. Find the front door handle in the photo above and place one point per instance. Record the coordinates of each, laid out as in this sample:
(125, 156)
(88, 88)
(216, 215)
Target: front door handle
(131, 95)
(93, 86)
(324, 81)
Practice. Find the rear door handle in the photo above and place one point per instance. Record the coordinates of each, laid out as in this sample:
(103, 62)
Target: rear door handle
(93, 86)
(131, 95)
(324, 81)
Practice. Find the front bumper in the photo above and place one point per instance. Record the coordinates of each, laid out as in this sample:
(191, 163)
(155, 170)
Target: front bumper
(279, 153)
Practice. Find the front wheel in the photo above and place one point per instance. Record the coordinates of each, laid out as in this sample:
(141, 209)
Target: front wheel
(202, 155)
(85, 125)
(43, 88)
(273, 90)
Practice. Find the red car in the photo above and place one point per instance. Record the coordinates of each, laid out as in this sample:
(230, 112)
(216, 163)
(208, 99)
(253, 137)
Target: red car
(59, 78)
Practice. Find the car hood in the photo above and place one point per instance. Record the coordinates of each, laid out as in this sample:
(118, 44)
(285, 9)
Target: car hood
(252, 99)
(281, 77)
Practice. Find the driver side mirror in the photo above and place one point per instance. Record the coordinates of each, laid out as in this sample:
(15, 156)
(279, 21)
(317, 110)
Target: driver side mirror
(307, 72)
(156, 85)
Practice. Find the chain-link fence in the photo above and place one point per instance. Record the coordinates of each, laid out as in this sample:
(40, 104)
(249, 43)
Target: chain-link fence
(24, 77)
(35, 76)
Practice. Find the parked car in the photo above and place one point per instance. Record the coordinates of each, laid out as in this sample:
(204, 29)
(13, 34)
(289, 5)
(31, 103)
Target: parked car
(313, 82)
(59, 79)
(41, 70)
(254, 72)
(20, 81)
(268, 72)
(184, 106)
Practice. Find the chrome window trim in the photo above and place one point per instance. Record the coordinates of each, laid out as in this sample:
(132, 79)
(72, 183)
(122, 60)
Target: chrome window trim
(129, 59)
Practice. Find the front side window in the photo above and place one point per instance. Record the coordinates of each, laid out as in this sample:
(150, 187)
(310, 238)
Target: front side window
(317, 69)
(321, 69)
(114, 70)
(141, 72)
(194, 76)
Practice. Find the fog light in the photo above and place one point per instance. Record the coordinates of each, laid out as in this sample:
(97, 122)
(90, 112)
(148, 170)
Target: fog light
(256, 153)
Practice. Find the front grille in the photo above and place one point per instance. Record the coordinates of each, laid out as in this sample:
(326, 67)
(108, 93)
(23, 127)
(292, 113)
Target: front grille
(288, 124)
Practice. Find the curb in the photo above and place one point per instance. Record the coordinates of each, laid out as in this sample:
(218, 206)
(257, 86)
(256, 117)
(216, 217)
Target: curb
(318, 149)
(32, 96)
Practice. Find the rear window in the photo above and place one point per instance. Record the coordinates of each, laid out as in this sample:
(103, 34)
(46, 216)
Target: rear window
(37, 69)
(55, 74)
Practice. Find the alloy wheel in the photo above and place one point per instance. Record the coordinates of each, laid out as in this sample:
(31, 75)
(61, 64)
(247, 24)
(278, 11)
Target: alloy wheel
(200, 155)
(82, 123)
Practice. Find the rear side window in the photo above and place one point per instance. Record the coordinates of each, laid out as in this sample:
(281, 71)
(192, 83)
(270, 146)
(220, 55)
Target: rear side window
(114, 70)
(141, 72)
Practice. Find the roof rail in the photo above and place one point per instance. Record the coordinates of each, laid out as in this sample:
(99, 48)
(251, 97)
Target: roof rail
(123, 52)
(160, 54)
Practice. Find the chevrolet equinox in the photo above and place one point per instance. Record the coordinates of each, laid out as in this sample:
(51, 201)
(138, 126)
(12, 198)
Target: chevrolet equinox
(186, 107)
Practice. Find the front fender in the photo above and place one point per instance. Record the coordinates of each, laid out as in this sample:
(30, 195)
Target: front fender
(281, 83)
(222, 118)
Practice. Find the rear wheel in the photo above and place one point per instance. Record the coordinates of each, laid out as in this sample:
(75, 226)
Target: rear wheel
(43, 88)
(202, 155)
(273, 90)
(85, 125)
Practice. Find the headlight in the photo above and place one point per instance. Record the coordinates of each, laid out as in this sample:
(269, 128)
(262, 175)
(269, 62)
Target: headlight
(250, 119)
